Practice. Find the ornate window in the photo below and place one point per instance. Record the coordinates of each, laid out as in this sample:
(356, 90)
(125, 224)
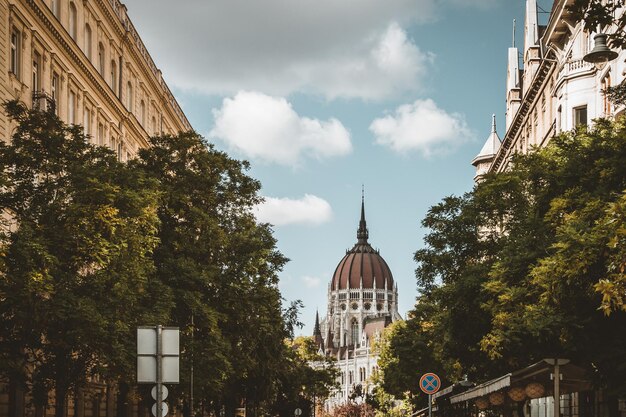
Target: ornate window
(355, 332)
(142, 111)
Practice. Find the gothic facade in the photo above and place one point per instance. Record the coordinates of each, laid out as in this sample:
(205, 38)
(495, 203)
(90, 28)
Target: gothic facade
(362, 301)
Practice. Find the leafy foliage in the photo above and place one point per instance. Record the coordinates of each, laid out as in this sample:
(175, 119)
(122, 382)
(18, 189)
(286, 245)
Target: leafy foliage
(528, 265)
(76, 255)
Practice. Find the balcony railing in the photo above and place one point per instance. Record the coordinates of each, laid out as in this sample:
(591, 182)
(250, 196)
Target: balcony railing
(44, 102)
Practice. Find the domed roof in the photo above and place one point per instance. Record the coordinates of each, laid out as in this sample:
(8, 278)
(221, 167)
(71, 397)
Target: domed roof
(363, 264)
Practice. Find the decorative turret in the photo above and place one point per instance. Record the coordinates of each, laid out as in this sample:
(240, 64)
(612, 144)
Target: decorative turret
(513, 83)
(317, 333)
(485, 157)
(532, 51)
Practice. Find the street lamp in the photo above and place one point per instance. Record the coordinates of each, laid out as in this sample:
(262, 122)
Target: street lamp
(600, 55)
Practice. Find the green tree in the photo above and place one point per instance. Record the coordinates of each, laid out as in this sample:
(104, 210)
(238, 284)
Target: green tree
(220, 266)
(76, 256)
(528, 265)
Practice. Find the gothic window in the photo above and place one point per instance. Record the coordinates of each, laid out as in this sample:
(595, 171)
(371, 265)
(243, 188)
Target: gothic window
(355, 306)
(15, 52)
(355, 331)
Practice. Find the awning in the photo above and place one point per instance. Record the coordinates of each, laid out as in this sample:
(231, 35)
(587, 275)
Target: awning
(573, 379)
(483, 389)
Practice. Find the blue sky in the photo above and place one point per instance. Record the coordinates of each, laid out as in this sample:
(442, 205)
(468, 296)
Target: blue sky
(323, 96)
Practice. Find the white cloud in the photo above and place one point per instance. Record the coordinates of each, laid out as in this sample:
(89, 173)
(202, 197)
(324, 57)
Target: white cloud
(268, 129)
(421, 127)
(311, 282)
(284, 211)
(347, 48)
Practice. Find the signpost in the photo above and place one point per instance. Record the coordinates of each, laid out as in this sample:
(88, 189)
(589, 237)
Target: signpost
(430, 384)
(157, 362)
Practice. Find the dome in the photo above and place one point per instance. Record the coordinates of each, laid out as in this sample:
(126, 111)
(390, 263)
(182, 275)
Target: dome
(363, 264)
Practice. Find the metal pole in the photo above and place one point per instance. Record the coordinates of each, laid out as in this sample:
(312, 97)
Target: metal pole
(191, 371)
(557, 389)
(159, 372)
(430, 405)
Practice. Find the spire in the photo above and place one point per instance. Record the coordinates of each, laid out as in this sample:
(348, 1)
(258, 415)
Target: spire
(493, 123)
(316, 329)
(531, 35)
(513, 44)
(362, 234)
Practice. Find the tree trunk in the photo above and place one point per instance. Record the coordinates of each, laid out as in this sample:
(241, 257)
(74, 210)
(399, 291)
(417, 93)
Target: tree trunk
(122, 400)
(60, 397)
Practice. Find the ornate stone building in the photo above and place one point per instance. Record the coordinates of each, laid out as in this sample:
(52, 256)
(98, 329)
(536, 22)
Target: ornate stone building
(362, 301)
(85, 60)
(555, 90)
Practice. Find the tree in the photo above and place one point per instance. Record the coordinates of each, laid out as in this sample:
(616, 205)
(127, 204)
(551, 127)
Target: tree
(528, 265)
(217, 264)
(76, 256)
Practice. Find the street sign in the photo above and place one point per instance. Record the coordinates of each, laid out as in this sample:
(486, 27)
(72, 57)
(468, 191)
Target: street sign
(147, 355)
(164, 409)
(430, 383)
(164, 393)
(297, 412)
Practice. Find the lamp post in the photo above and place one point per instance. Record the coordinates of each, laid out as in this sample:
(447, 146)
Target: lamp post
(600, 55)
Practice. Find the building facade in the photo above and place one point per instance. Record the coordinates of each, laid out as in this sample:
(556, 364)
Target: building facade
(84, 60)
(87, 60)
(362, 301)
(555, 90)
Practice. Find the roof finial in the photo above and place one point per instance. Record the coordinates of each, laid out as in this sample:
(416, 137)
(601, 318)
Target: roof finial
(362, 234)
(493, 123)
(513, 33)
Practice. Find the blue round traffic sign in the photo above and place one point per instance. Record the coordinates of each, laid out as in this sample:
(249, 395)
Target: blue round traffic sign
(430, 383)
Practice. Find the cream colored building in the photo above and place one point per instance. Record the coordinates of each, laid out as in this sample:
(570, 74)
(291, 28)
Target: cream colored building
(86, 57)
(555, 90)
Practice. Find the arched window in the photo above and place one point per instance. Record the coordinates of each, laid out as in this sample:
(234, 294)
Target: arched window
(56, 8)
(355, 332)
(129, 96)
(88, 41)
(154, 126)
(113, 76)
(73, 21)
(101, 58)
(142, 112)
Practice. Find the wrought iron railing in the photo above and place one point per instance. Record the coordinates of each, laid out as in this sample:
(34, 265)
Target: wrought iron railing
(44, 101)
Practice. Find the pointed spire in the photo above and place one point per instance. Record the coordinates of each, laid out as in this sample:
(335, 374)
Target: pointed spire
(513, 44)
(316, 329)
(493, 123)
(362, 234)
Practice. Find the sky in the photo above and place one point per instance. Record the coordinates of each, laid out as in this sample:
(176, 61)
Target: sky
(324, 96)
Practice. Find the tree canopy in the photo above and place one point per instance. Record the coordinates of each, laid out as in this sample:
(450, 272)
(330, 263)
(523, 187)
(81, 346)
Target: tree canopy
(529, 264)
